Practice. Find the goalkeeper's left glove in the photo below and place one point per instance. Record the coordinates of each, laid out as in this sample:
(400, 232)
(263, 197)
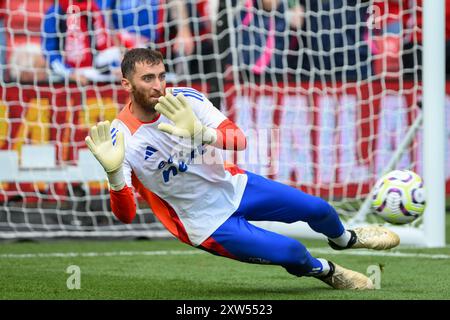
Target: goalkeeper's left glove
(186, 124)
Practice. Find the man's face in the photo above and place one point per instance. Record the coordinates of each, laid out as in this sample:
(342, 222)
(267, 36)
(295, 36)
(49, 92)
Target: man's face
(147, 84)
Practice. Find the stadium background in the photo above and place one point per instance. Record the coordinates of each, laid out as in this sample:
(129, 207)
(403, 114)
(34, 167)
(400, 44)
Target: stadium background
(347, 98)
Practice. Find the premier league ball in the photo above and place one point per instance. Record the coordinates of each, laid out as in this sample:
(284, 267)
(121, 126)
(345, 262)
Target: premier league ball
(399, 197)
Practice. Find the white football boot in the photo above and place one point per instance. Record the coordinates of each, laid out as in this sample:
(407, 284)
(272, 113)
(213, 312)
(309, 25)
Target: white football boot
(370, 237)
(341, 278)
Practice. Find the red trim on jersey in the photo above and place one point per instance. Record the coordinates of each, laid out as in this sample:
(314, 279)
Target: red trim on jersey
(230, 137)
(162, 210)
(212, 245)
(123, 205)
(233, 169)
(124, 208)
(130, 120)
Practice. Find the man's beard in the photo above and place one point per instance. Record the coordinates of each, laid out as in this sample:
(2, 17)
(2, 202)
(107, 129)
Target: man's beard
(143, 99)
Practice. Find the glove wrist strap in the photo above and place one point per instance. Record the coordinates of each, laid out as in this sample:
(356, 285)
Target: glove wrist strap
(209, 135)
(116, 179)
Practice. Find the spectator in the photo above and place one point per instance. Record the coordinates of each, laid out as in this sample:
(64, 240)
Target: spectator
(195, 39)
(205, 64)
(143, 24)
(184, 42)
(181, 30)
(27, 63)
(76, 43)
(384, 37)
(134, 23)
(334, 33)
(325, 38)
(262, 27)
(412, 37)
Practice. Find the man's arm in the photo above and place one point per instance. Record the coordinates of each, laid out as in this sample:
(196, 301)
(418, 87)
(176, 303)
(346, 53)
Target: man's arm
(51, 44)
(111, 157)
(122, 201)
(230, 137)
(122, 204)
(187, 124)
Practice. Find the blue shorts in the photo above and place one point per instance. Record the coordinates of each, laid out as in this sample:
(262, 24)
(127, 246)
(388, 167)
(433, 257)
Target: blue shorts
(268, 200)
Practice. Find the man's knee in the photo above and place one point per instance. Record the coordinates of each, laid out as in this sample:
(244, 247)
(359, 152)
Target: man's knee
(321, 210)
(293, 254)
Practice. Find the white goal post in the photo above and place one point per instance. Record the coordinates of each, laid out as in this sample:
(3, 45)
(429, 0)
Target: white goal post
(434, 121)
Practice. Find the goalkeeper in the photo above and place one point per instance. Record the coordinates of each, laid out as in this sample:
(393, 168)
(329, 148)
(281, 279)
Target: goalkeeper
(163, 145)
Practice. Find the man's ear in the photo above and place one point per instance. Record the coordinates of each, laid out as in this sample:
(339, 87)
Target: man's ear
(126, 84)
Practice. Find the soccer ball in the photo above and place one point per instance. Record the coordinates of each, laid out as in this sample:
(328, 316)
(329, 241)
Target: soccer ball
(399, 197)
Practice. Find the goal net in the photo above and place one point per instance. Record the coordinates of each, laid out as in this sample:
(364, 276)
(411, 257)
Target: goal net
(328, 93)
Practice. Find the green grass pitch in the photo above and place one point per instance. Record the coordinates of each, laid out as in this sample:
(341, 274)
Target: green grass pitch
(168, 269)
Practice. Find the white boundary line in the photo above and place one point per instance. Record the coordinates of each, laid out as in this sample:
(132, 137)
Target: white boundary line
(391, 254)
(315, 251)
(98, 254)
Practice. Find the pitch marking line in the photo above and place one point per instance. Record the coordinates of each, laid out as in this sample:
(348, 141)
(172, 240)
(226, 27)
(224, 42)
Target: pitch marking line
(394, 254)
(98, 254)
(315, 251)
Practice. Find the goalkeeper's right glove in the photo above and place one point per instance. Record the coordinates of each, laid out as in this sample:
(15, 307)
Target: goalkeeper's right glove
(110, 156)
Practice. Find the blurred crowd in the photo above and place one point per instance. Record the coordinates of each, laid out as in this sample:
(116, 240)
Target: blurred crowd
(214, 41)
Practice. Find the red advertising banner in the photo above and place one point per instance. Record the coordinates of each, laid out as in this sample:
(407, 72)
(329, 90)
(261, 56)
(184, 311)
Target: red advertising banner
(333, 140)
(59, 115)
(325, 139)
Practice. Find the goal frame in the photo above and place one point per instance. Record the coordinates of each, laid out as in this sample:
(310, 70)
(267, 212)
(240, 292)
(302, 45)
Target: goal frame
(431, 119)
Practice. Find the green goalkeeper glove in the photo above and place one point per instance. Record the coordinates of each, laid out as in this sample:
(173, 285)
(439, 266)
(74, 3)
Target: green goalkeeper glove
(110, 156)
(186, 124)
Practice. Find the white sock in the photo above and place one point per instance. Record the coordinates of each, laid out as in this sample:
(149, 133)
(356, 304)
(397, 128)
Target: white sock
(325, 267)
(342, 240)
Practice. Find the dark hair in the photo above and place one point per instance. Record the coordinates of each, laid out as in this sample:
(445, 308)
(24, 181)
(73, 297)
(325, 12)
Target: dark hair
(133, 56)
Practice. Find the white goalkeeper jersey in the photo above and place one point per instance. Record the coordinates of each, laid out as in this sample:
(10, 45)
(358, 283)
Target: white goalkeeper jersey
(190, 189)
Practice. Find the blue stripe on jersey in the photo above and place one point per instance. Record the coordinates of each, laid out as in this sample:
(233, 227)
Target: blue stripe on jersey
(151, 149)
(189, 93)
(192, 90)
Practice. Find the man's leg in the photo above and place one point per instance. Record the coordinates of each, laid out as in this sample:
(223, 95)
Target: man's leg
(240, 240)
(268, 200)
